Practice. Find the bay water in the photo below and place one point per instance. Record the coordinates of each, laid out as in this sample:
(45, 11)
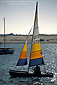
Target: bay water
(9, 61)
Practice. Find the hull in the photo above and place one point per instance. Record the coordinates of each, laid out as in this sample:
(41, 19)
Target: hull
(15, 73)
(6, 51)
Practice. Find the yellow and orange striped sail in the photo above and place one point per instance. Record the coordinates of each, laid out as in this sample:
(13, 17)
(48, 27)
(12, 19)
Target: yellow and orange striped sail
(23, 56)
(36, 57)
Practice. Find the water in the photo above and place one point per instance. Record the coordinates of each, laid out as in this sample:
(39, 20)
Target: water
(9, 61)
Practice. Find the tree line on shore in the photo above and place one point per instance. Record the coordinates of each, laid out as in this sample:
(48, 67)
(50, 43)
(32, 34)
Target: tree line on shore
(30, 34)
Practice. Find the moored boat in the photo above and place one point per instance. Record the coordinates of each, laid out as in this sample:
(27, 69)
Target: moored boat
(5, 50)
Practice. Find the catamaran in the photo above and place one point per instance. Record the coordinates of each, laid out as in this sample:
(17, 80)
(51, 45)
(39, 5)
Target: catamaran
(36, 57)
(5, 50)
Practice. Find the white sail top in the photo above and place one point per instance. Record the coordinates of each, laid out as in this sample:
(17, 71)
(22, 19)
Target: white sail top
(35, 38)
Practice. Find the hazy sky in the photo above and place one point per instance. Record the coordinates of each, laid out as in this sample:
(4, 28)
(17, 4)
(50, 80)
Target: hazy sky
(19, 15)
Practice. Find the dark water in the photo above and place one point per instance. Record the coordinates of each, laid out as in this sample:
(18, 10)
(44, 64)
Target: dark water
(9, 61)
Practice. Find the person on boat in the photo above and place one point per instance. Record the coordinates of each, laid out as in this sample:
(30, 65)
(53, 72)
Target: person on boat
(37, 70)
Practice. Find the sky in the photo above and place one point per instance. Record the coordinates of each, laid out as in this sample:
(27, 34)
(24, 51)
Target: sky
(19, 16)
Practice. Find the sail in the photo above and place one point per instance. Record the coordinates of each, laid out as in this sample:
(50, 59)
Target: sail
(36, 57)
(23, 57)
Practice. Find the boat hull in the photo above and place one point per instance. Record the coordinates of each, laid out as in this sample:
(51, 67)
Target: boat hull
(6, 51)
(15, 73)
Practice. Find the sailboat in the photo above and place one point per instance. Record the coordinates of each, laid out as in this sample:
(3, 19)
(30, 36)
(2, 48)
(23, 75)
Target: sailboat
(36, 57)
(5, 50)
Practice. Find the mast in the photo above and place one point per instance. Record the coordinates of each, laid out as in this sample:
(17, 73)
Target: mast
(4, 32)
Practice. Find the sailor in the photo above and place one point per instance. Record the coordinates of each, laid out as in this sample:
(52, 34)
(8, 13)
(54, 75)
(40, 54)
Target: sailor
(37, 70)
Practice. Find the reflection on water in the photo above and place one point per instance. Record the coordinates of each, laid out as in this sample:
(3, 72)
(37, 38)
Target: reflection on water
(49, 52)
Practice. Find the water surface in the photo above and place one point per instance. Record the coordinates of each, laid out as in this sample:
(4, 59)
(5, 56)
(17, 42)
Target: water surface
(9, 61)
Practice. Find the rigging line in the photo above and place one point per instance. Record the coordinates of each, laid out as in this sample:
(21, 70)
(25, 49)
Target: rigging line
(28, 34)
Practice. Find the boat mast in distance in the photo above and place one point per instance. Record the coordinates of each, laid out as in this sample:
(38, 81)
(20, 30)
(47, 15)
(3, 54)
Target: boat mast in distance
(4, 32)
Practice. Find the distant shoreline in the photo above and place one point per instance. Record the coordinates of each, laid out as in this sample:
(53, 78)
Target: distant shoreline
(20, 39)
